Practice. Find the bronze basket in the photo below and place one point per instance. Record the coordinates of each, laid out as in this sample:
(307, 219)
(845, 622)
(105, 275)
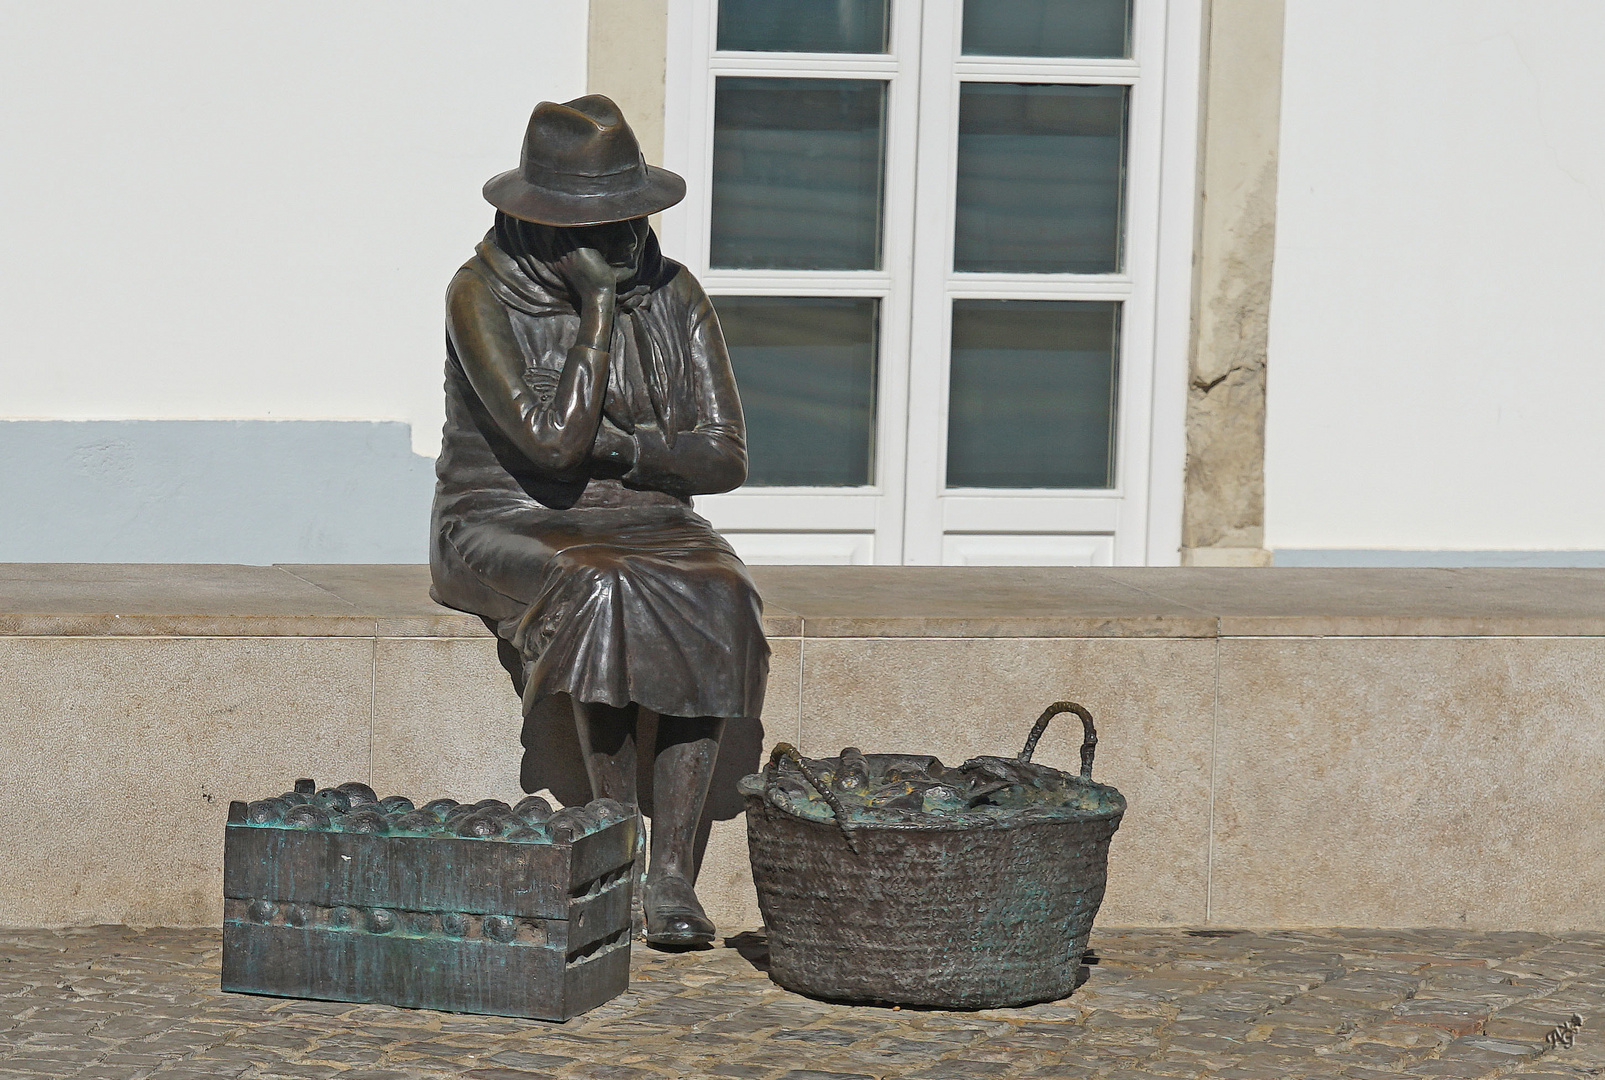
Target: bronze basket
(943, 914)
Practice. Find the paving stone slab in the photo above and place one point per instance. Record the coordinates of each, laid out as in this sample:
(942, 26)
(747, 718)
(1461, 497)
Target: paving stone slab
(112, 1003)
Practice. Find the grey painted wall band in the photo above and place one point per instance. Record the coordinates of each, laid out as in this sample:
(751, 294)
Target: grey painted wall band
(1404, 557)
(235, 491)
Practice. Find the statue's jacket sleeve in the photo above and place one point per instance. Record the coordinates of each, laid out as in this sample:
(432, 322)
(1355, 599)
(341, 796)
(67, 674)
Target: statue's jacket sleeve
(670, 418)
(710, 455)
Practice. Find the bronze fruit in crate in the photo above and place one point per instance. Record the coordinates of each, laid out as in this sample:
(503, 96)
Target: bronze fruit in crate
(891, 877)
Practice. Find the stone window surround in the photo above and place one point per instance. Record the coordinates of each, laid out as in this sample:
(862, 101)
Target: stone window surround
(1223, 515)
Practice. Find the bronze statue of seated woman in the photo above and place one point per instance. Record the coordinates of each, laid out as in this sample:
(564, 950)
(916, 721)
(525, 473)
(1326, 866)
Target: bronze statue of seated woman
(589, 396)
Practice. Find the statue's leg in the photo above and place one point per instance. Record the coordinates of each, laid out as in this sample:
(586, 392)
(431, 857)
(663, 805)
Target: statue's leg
(682, 770)
(607, 741)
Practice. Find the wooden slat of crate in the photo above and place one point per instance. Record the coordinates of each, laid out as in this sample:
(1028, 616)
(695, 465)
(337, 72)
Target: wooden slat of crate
(592, 918)
(419, 873)
(456, 976)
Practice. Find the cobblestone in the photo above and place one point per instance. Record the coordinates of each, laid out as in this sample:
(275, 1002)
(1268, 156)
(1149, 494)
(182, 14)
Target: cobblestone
(111, 1003)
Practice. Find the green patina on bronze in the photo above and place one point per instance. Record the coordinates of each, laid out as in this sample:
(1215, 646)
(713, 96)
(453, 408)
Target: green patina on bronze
(890, 877)
(511, 911)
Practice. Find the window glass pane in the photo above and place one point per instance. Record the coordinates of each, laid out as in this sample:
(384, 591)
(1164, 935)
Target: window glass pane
(805, 367)
(1040, 171)
(1091, 28)
(855, 26)
(1031, 397)
(797, 173)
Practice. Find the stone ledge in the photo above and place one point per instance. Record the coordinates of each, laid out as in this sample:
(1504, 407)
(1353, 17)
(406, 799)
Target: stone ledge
(1274, 730)
(161, 600)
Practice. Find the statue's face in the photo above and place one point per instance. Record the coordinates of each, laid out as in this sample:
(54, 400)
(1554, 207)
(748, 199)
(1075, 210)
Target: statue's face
(620, 242)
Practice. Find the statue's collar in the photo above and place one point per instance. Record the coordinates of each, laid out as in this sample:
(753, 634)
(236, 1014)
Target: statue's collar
(518, 288)
(514, 287)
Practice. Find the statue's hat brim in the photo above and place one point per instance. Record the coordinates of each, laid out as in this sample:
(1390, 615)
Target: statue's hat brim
(511, 193)
(582, 166)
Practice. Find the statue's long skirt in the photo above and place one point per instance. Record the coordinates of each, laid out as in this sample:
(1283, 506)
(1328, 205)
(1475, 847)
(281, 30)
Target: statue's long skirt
(613, 605)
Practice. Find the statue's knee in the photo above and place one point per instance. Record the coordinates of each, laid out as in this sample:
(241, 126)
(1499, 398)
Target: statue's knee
(597, 568)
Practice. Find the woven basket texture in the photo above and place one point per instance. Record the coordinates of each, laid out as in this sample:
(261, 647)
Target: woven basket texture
(963, 917)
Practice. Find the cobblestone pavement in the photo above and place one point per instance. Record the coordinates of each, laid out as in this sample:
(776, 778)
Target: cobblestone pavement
(117, 1004)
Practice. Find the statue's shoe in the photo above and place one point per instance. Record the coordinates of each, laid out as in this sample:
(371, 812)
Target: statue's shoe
(674, 916)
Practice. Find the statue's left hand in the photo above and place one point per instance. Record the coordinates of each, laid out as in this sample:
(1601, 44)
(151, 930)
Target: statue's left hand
(651, 450)
(613, 447)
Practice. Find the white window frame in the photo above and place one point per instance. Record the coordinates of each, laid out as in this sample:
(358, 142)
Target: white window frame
(1139, 520)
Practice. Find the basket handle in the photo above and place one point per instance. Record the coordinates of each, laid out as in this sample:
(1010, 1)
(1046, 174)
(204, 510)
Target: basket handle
(790, 753)
(1089, 741)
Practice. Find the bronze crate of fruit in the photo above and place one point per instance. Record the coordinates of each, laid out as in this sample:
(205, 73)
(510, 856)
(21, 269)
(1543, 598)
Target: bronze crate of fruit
(481, 908)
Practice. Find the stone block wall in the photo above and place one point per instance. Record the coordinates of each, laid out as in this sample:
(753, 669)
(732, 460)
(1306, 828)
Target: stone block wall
(1372, 748)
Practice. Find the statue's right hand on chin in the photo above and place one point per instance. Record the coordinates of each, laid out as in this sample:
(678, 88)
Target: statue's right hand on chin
(588, 274)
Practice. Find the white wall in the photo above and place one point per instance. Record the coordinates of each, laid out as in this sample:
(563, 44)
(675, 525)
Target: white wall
(251, 208)
(1437, 348)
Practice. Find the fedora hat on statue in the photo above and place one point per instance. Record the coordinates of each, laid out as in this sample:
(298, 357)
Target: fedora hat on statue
(582, 166)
